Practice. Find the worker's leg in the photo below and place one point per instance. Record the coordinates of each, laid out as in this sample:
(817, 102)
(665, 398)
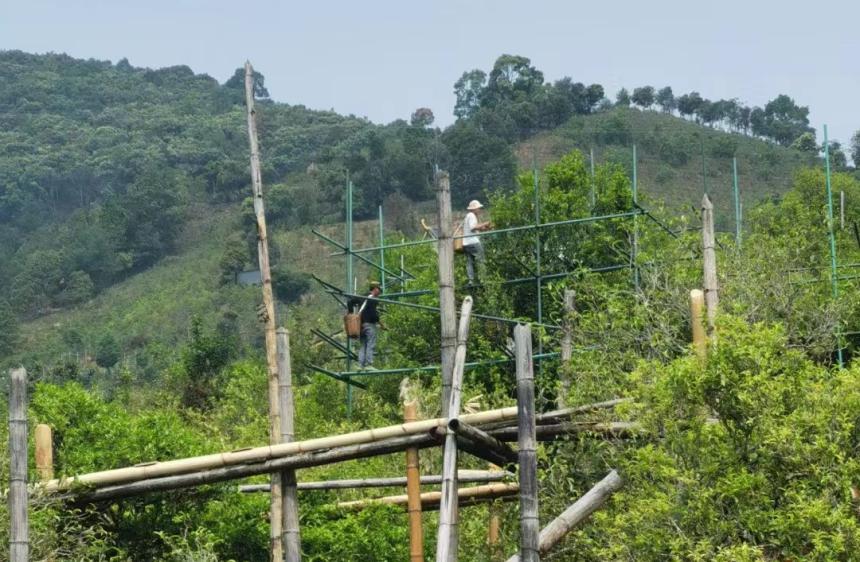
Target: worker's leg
(470, 262)
(362, 345)
(370, 337)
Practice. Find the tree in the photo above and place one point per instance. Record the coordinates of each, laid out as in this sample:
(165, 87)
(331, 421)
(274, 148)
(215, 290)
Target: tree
(422, 117)
(107, 351)
(689, 104)
(594, 95)
(468, 90)
(838, 160)
(202, 359)
(785, 120)
(643, 96)
(666, 99)
(805, 143)
(237, 82)
(622, 98)
(855, 149)
(513, 78)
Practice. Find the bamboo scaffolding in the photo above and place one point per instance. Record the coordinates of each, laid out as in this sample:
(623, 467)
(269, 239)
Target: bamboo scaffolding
(276, 513)
(491, 491)
(259, 454)
(470, 476)
(19, 523)
(709, 255)
(413, 491)
(291, 537)
(593, 500)
(529, 522)
(448, 539)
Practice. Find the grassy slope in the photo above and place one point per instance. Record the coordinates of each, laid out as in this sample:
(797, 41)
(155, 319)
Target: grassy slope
(764, 169)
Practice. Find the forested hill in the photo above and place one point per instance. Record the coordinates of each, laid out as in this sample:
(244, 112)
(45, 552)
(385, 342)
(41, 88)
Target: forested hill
(102, 164)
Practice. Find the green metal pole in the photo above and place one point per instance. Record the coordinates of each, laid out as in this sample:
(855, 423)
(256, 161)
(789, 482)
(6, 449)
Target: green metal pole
(834, 283)
(635, 251)
(591, 164)
(381, 250)
(704, 181)
(349, 285)
(538, 282)
(737, 201)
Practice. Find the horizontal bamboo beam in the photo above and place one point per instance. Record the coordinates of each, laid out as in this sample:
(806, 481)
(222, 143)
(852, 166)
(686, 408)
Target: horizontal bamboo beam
(552, 431)
(268, 452)
(394, 482)
(593, 500)
(488, 491)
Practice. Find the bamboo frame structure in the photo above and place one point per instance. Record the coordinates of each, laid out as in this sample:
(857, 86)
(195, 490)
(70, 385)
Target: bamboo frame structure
(276, 510)
(489, 491)
(448, 535)
(470, 476)
(19, 523)
(526, 426)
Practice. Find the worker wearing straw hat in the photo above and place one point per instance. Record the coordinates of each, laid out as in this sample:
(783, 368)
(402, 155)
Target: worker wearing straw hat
(472, 244)
(370, 324)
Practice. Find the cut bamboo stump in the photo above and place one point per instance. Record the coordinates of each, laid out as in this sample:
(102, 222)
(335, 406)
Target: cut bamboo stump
(593, 500)
(19, 531)
(529, 520)
(697, 303)
(712, 298)
(276, 513)
(447, 304)
(448, 539)
(566, 345)
(291, 538)
(413, 491)
(44, 452)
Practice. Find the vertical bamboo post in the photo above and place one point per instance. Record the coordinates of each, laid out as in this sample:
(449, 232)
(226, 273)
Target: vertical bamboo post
(291, 537)
(351, 285)
(712, 298)
(494, 528)
(448, 538)
(842, 210)
(834, 282)
(381, 251)
(737, 195)
(413, 491)
(697, 303)
(44, 452)
(529, 521)
(566, 345)
(276, 503)
(634, 254)
(593, 198)
(19, 532)
(447, 305)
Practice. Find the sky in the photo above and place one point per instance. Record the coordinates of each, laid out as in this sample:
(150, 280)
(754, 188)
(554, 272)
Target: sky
(383, 59)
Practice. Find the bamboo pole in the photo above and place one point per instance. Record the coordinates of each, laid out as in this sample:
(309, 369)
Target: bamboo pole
(566, 345)
(448, 539)
(413, 491)
(447, 304)
(393, 482)
(276, 513)
(529, 521)
(489, 490)
(19, 531)
(44, 452)
(291, 538)
(551, 432)
(593, 500)
(259, 454)
(494, 529)
(697, 303)
(712, 297)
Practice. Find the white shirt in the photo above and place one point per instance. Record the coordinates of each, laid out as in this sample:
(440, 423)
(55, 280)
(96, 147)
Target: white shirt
(469, 225)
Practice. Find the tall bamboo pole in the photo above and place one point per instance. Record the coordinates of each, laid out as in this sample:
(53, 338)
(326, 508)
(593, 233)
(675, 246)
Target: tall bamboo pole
(19, 532)
(634, 255)
(566, 345)
(737, 195)
(529, 521)
(447, 305)
(448, 538)
(697, 304)
(291, 536)
(276, 505)
(413, 491)
(390, 482)
(44, 452)
(834, 283)
(712, 298)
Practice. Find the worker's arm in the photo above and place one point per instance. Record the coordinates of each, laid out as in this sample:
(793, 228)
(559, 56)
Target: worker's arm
(483, 226)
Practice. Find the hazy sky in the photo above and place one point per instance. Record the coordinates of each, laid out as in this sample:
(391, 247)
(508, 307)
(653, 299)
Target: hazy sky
(383, 59)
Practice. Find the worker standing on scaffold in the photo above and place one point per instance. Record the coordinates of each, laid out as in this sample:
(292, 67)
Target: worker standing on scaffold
(472, 244)
(370, 324)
